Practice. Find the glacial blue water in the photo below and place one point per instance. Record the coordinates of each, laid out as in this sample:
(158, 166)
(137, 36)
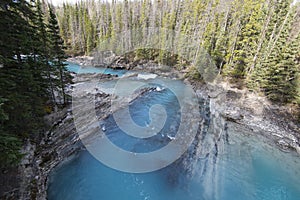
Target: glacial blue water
(242, 167)
(72, 67)
(248, 169)
(140, 109)
(258, 176)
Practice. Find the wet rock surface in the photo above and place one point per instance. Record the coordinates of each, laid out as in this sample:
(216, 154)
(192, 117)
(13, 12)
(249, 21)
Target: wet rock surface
(62, 141)
(56, 146)
(242, 107)
(255, 113)
(225, 107)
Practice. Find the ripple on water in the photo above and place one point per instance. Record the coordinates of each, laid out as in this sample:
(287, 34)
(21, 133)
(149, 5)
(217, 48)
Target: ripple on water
(248, 168)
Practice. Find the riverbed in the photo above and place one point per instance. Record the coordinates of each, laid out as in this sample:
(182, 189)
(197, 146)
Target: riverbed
(235, 164)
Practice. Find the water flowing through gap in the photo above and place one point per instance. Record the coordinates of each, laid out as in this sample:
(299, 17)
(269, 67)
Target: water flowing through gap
(75, 68)
(239, 165)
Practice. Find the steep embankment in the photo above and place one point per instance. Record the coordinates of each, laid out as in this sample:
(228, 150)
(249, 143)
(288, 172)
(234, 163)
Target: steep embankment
(240, 106)
(228, 108)
(57, 145)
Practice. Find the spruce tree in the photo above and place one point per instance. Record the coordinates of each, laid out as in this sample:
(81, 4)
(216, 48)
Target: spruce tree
(44, 52)
(57, 54)
(9, 144)
(21, 77)
(280, 68)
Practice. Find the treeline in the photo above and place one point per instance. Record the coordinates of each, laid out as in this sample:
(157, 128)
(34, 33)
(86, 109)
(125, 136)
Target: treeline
(32, 73)
(253, 42)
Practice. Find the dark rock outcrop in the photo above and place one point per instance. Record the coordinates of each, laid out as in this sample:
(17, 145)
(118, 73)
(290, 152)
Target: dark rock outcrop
(227, 105)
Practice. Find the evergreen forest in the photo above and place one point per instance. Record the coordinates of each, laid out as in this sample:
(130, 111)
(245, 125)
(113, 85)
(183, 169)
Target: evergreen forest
(253, 43)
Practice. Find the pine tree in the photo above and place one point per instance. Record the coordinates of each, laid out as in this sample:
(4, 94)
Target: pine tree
(56, 53)
(21, 77)
(247, 38)
(280, 68)
(9, 144)
(242, 37)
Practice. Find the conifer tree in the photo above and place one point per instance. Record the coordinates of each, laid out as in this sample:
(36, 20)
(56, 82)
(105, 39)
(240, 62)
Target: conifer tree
(282, 70)
(278, 74)
(56, 53)
(21, 77)
(242, 37)
(9, 144)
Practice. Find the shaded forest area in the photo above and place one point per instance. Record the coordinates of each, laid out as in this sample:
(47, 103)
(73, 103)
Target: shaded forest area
(32, 74)
(254, 43)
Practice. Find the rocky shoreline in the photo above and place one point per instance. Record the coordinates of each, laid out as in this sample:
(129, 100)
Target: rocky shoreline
(57, 145)
(62, 141)
(239, 106)
(233, 105)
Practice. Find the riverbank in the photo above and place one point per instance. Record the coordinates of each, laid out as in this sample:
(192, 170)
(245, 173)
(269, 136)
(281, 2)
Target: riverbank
(62, 141)
(58, 144)
(228, 104)
(240, 106)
